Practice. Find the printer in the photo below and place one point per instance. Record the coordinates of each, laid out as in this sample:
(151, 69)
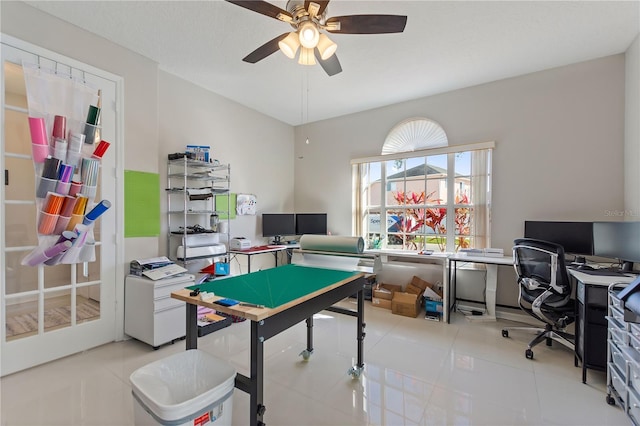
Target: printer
(239, 243)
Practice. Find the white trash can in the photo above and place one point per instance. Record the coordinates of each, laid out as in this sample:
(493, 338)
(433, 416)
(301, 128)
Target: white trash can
(187, 388)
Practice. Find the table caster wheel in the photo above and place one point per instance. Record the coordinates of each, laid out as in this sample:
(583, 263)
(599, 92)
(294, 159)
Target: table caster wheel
(528, 353)
(306, 354)
(611, 400)
(355, 372)
(505, 333)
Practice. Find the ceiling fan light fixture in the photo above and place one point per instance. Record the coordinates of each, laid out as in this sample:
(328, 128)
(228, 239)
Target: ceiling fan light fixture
(306, 56)
(289, 45)
(308, 34)
(326, 47)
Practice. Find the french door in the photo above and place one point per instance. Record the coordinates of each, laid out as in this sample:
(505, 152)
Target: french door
(48, 312)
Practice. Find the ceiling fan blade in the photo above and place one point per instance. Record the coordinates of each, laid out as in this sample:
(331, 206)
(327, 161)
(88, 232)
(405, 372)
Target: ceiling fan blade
(368, 24)
(331, 65)
(265, 50)
(321, 3)
(264, 8)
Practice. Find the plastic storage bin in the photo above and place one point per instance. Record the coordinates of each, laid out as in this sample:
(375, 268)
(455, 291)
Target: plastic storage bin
(187, 388)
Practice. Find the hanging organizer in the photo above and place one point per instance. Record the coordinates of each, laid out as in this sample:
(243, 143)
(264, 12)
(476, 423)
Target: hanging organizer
(64, 122)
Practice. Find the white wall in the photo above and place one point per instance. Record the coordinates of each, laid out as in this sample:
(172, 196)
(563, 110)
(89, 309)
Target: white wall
(559, 148)
(632, 132)
(258, 148)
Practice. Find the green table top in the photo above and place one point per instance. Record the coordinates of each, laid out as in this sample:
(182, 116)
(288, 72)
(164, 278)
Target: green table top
(275, 286)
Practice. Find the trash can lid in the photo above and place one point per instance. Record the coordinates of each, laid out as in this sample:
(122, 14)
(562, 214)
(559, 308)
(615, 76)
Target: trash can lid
(181, 384)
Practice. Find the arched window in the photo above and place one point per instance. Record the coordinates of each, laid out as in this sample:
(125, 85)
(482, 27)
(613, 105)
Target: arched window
(414, 134)
(422, 193)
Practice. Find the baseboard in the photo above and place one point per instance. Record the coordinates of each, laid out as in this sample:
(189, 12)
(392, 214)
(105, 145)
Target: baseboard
(510, 315)
(501, 313)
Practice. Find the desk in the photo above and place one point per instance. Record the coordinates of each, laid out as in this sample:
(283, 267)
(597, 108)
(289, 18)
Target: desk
(290, 294)
(275, 249)
(591, 324)
(491, 282)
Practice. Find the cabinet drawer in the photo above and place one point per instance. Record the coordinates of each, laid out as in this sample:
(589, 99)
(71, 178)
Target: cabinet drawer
(617, 314)
(615, 302)
(634, 377)
(618, 382)
(597, 296)
(618, 358)
(166, 302)
(634, 330)
(169, 324)
(634, 407)
(617, 333)
(634, 342)
(161, 291)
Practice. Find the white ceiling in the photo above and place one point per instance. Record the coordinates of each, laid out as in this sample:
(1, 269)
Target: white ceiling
(446, 45)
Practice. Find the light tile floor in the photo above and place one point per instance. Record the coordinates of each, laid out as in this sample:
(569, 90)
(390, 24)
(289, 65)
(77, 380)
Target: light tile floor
(417, 372)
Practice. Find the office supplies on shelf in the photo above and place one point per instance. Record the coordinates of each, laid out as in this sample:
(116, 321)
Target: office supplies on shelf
(164, 272)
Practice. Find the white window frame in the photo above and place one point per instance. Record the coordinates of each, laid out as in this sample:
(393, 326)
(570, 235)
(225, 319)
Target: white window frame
(481, 177)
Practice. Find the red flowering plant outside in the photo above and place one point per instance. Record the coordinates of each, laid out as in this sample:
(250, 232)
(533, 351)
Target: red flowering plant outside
(413, 219)
(462, 221)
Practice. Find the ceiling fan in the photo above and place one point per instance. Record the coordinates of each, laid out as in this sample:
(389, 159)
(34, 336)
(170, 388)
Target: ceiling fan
(309, 20)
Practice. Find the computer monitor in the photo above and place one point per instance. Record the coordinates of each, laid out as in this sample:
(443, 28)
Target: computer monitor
(278, 225)
(575, 237)
(311, 223)
(618, 240)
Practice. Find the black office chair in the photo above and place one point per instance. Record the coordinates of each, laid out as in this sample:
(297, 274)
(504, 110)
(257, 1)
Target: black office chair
(545, 291)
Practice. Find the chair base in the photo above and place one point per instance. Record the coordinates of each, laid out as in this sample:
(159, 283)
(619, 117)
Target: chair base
(548, 334)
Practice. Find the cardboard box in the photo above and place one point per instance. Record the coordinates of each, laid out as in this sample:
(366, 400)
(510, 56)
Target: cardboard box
(382, 295)
(385, 291)
(406, 304)
(420, 283)
(381, 303)
(413, 289)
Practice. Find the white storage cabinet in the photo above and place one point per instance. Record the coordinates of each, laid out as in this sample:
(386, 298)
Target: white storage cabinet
(150, 314)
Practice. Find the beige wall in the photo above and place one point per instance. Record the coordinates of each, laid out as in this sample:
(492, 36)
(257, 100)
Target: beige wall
(559, 148)
(258, 148)
(632, 132)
